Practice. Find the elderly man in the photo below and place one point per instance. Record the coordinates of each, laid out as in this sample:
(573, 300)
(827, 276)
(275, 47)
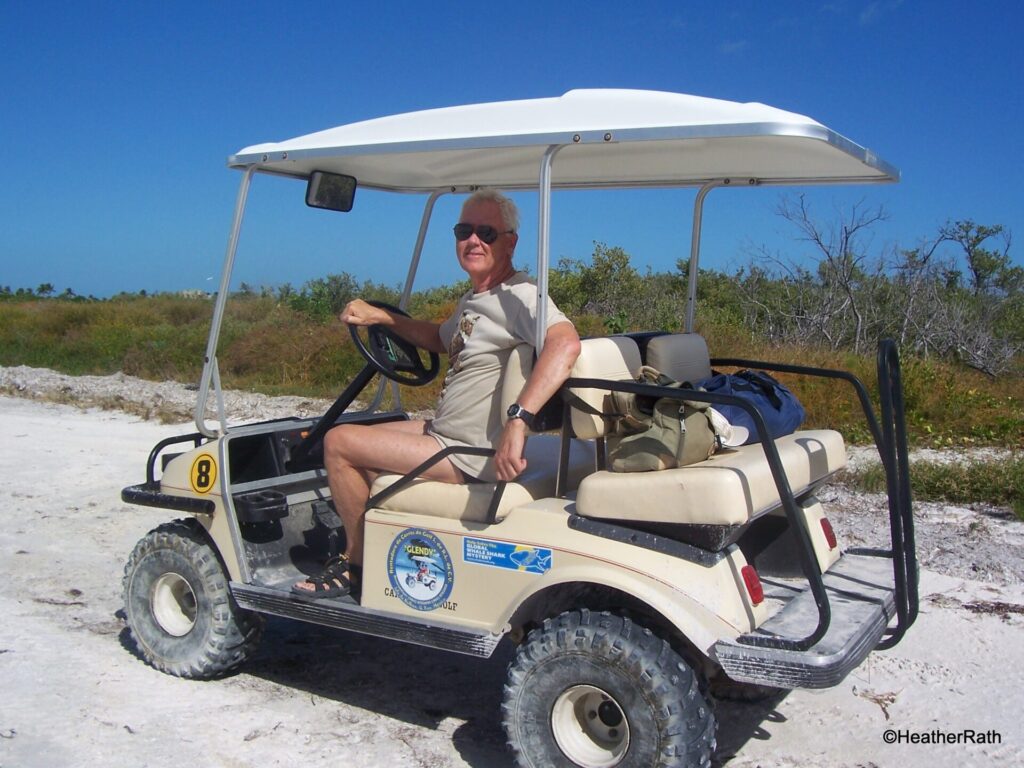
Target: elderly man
(497, 314)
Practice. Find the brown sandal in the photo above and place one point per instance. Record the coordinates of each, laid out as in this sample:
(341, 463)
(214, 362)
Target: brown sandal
(336, 580)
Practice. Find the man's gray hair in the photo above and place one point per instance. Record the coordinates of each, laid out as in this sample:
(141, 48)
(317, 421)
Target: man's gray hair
(509, 212)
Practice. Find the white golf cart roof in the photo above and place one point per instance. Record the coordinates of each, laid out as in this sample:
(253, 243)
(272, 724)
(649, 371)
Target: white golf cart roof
(586, 139)
(612, 138)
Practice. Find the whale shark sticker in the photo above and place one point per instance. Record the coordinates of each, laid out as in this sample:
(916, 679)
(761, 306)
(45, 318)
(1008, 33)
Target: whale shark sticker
(505, 554)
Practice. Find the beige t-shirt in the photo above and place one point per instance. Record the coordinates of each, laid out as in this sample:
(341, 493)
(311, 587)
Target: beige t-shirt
(481, 335)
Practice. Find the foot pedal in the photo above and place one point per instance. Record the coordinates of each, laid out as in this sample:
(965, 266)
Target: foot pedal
(325, 515)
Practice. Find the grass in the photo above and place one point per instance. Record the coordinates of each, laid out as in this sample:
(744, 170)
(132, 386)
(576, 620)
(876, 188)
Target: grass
(998, 481)
(265, 345)
(269, 346)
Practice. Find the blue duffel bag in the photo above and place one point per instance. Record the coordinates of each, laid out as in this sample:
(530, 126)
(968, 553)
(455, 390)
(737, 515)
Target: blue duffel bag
(783, 414)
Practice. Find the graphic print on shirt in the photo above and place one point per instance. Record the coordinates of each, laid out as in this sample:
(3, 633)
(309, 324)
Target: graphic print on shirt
(467, 323)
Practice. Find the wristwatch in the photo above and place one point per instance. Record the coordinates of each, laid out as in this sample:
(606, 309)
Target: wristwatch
(516, 411)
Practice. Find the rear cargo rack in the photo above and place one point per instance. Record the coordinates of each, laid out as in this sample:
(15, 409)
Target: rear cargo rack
(890, 439)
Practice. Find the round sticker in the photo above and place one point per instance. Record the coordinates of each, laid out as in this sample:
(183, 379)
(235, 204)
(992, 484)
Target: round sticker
(420, 569)
(204, 473)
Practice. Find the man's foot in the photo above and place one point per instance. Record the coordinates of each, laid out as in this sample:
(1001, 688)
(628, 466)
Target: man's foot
(339, 578)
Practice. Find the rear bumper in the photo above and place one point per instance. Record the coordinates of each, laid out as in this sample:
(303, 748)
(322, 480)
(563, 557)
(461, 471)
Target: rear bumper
(862, 599)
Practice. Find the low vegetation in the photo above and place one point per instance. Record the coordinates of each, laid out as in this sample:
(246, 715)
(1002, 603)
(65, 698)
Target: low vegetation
(997, 481)
(954, 304)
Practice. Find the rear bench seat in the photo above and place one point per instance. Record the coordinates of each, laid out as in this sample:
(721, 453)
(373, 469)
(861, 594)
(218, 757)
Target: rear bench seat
(730, 489)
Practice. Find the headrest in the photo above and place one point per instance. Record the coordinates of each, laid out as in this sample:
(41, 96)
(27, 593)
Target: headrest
(681, 356)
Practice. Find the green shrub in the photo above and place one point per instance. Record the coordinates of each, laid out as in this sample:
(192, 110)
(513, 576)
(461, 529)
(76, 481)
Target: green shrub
(290, 341)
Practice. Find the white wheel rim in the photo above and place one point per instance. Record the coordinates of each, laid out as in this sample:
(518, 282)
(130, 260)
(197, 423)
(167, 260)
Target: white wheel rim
(590, 727)
(174, 604)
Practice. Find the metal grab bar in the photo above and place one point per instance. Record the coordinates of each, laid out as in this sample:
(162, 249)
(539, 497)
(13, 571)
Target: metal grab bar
(444, 453)
(805, 548)
(897, 479)
(195, 438)
(829, 373)
(891, 442)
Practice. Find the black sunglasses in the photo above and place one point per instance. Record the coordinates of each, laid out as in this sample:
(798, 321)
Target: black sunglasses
(485, 232)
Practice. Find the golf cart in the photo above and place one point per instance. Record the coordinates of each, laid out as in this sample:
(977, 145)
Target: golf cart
(629, 596)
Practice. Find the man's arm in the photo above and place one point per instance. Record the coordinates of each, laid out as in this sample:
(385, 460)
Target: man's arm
(422, 333)
(561, 348)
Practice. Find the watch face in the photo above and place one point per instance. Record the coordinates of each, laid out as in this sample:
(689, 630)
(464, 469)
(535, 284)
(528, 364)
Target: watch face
(516, 411)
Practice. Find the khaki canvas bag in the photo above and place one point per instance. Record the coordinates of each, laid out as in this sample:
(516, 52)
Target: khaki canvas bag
(659, 433)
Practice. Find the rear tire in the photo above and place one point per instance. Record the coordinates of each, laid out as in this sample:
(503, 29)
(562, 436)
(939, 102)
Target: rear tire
(179, 607)
(597, 690)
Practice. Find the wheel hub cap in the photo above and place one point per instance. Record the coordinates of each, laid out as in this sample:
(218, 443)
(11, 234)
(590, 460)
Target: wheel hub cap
(589, 727)
(174, 604)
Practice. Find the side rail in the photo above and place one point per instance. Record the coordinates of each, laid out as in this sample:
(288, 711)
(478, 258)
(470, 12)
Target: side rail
(406, 479)
(891, 442)
(805, 548)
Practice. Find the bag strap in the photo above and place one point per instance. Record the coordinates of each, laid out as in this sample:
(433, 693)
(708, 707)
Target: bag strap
(765, 383)
(650, 375)
(647, 375)
(579, 403)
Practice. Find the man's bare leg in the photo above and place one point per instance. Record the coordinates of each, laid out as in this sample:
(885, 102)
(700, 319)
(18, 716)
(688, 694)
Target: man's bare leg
(355, 454)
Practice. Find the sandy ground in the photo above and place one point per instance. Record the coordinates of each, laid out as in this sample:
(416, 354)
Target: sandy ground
(75, 693)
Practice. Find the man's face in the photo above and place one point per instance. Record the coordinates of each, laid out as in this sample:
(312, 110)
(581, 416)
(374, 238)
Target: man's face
(480, 260)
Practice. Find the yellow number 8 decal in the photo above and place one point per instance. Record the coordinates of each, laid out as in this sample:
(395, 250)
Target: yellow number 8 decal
(204, 473)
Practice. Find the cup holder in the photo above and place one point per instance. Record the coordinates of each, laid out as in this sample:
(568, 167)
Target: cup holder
(260, 506)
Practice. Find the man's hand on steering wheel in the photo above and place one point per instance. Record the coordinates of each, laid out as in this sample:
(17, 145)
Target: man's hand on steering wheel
(391, 355)
(363, 313)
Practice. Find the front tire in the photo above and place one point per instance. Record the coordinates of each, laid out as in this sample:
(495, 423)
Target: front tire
(179, 607)
(596, 690)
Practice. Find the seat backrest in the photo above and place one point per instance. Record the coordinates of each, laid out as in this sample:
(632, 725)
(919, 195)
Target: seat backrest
(517, 371)
(681, 356)
(608, 357)
(513, 379)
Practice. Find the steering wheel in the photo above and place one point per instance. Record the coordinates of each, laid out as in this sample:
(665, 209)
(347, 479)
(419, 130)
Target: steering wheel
(391, 355)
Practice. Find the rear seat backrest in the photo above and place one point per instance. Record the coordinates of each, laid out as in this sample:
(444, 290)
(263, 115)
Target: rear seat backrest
(608, 357)
(682, 356)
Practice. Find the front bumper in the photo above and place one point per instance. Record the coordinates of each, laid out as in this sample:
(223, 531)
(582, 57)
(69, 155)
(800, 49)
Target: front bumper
(150, 495)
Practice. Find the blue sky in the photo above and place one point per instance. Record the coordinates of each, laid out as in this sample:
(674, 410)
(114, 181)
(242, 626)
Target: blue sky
(117, 119)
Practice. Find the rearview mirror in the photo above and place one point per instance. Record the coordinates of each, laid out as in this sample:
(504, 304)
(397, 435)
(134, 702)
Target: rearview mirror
(331, 191)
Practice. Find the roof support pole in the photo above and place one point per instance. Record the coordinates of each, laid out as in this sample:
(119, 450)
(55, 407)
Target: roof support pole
(544, 241)
(691, 278)
(403, 302)
(417, 250)
(210, 373)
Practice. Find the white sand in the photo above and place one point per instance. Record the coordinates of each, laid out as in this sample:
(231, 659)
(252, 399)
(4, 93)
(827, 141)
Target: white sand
(76, 695)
